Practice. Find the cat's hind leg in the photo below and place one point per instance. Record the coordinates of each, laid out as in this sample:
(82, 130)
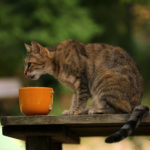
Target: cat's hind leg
(114, 90)
(110, 102)
(100, 107)
(120, 105)
(117, 94)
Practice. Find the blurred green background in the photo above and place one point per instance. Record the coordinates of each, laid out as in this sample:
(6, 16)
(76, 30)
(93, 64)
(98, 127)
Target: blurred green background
(118, 22)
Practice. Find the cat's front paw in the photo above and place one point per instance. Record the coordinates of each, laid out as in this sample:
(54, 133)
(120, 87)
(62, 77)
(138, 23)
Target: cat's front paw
(72, 112)
(66, 112)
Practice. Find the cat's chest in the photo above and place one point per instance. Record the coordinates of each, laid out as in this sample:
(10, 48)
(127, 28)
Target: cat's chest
(68, 80)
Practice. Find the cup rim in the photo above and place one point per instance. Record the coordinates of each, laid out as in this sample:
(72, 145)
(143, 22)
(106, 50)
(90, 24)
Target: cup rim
(35, 87)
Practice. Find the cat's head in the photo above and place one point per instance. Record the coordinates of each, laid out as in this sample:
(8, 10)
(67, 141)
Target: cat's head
(38, 61)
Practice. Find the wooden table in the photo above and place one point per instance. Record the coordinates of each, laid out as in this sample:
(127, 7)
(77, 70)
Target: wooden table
(50, 132)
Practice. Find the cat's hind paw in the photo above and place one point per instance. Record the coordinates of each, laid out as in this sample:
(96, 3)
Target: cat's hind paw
(100, 111)
(95, 111)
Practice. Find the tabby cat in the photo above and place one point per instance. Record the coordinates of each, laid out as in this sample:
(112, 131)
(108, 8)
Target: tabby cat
(101, 71)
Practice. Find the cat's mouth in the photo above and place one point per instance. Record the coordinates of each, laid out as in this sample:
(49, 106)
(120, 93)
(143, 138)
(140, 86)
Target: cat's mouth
(32, 77)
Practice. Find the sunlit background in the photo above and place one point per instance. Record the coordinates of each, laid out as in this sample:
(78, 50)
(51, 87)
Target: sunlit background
(117, 22)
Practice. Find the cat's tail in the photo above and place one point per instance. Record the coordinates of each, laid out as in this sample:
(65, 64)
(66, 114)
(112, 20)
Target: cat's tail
(136, 116)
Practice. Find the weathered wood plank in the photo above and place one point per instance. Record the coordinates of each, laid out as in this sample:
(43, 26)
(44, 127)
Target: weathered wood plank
(68, 129)
(20, 132)
(58, 133)
(42, 143)
(38, 143)
(102, 119)
(107, 130)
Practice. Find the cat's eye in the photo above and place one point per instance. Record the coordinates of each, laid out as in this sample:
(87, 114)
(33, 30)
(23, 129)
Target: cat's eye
(29, 64)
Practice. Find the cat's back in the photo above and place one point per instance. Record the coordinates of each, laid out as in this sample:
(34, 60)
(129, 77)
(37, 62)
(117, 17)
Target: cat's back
(110, 57)
(96, 55)
(113, 61)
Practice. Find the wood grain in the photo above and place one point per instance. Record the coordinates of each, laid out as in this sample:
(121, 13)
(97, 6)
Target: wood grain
(42, 143)
(68, 129)
(102, 119)
(57, 133)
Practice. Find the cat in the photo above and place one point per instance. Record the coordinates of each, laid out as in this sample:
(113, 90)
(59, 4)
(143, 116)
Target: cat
(101, 71)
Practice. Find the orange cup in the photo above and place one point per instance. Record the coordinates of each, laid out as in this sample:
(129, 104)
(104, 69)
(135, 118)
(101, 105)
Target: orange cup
(36, 100)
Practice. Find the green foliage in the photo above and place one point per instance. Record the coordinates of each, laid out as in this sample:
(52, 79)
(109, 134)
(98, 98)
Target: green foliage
(47, 22)
(51, 21)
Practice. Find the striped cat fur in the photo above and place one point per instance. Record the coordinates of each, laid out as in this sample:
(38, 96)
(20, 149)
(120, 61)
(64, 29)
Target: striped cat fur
(105, 73)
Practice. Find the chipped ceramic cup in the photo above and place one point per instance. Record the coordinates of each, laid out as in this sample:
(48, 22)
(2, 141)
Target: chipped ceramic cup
(36, 100)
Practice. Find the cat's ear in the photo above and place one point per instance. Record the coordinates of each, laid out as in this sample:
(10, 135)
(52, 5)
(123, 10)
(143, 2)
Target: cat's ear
(48, 53)
(44, 52)
(28, 47)
(37, 48)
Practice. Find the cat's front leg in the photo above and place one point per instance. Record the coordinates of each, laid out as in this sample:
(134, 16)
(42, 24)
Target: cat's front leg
(73, 105)
(82, 97)
(79, 102)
